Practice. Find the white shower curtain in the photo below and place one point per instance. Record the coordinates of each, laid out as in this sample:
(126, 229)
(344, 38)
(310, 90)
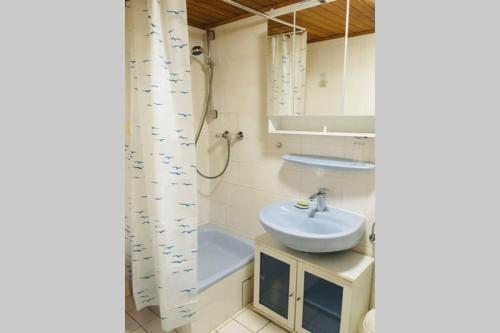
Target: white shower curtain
(161, 217)
(282, 101)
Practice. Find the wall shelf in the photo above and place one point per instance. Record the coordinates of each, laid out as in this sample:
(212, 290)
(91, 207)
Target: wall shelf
(332, 126)
(318, 133)
(328, 162)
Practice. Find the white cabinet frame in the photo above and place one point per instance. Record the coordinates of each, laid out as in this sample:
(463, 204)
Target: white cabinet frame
(350, 270)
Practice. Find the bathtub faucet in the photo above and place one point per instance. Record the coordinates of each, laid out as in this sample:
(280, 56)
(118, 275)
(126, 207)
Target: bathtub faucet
(320, 197)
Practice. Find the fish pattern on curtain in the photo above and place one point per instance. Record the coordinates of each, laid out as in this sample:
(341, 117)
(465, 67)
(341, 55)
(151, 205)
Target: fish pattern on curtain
(282, 100)
(161, 192)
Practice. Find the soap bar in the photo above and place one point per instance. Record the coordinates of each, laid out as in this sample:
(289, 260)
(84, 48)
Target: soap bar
(302, 204)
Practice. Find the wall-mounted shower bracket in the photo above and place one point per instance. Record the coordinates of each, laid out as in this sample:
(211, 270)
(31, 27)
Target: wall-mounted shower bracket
(210, 35)
(214, 114)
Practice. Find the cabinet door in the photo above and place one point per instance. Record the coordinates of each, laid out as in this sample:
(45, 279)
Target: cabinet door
(322, 302)
(274, 292)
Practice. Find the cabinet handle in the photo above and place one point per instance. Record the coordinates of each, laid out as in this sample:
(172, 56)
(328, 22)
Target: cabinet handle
(298, 298)
(291, 295)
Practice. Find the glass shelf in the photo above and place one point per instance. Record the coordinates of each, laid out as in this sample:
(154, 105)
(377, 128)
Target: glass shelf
(328, 162)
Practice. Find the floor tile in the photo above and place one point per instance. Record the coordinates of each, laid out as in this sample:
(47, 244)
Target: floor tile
(233, 327)
(239, 311)
(251, 320)
(154, 326)
(143, 316)
(130, 324)
(272, 328)
(155, 309)
(139, 330)
(129, 303)
(128, 292)
(224, 323)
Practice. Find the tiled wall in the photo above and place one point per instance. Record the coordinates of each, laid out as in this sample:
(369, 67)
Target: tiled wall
(197, 37)
(257, 176)
(325, 72)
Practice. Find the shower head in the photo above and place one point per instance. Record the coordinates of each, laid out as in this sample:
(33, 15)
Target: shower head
(197, 50)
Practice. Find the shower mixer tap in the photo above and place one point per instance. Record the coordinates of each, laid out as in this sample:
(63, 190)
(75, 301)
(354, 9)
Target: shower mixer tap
(227, 135)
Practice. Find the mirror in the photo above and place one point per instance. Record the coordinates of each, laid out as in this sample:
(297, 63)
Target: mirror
(360, 65)
(285, 66)
(330, 75)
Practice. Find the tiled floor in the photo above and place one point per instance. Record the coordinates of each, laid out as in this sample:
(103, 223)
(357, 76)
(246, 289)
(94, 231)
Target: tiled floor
(144, 321)
(245, 321)
(248, 321)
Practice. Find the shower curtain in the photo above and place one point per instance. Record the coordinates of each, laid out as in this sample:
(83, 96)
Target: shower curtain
(282, 100)
(161, 217)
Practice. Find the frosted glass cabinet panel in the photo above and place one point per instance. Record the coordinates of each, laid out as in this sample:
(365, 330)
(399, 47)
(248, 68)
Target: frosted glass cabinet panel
(274, 284)
(275, 278)
(322, 305)
(320, 299)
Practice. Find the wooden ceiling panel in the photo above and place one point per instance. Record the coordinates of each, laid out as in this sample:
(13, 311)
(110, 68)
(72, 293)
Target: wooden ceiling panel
(322, 22)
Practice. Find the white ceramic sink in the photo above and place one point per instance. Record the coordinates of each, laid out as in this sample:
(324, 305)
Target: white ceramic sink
(329, 231)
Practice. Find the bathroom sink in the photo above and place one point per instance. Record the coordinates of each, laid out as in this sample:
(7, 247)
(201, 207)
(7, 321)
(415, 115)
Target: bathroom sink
(329, 231)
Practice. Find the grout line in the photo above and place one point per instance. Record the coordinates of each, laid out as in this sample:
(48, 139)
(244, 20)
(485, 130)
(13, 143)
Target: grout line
(139, 325)
(149, 322)
(244, 325)
(264, 326)
(248, 328)
(227, 321)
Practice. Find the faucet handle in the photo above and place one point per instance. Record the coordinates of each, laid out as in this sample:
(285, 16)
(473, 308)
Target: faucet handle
(323, 190)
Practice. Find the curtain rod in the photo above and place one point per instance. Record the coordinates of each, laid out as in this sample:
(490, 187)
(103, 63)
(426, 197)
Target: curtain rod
(297, 7)
(287, 33)
(256, 12)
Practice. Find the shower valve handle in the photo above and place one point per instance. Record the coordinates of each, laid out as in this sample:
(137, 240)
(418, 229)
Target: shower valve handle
(226, 135)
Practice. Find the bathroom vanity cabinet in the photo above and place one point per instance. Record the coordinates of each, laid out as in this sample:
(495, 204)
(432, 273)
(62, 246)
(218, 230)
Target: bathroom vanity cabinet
(311, 292)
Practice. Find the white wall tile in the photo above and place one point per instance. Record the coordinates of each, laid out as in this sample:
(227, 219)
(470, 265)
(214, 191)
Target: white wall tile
(257, 175)
(218, 213)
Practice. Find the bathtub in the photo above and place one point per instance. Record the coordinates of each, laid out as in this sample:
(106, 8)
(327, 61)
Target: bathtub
(220, 253)
(225, 277)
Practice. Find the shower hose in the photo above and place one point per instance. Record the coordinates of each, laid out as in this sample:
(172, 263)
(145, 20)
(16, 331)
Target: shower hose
(226, 136)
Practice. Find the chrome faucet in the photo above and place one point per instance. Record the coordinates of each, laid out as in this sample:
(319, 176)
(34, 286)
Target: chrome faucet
(320, 197)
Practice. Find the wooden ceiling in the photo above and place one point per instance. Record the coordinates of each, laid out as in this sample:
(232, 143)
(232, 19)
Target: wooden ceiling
(322, 22)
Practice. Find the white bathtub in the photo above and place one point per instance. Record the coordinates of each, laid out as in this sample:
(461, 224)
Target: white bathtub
(225, 271)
